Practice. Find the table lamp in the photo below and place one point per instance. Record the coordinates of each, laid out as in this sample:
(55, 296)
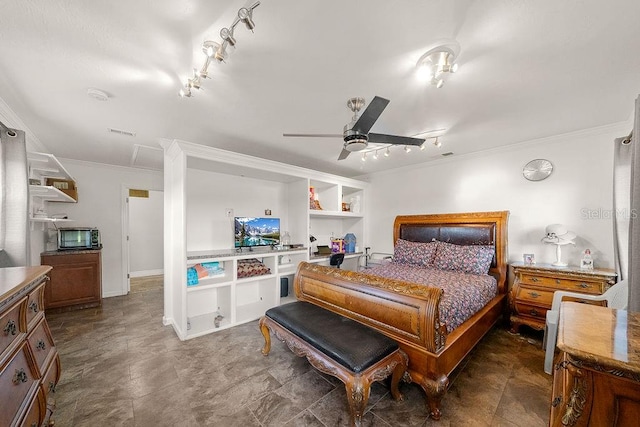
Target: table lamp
(558, 235)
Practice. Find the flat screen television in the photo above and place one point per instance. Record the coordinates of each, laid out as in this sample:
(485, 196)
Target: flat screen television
(250, 232)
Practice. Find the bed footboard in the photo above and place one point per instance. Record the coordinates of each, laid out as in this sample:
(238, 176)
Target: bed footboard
(401, 310)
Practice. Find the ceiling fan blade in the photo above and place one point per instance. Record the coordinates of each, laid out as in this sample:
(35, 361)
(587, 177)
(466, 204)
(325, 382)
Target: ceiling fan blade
(313, 135)
(394, 139)
(343, 154)
(370, 115)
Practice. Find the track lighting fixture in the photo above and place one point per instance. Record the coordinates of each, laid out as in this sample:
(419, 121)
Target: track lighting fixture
(375, 155)
(246, 16)
(217, 51)
(407, 149)
(387, 153)
(364, 157)
(437, 143)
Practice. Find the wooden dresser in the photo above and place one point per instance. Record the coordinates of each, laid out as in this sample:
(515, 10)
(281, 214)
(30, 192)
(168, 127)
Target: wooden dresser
(532, 292)
(29, 361)
(76, 279)
(596, 379)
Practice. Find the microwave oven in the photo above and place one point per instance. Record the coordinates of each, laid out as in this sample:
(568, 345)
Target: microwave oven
(78, 238)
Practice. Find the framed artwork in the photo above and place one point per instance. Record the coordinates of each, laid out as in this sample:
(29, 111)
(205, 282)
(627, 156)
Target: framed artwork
(529, 259)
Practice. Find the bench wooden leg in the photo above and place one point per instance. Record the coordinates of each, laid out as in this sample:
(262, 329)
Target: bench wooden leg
(357, 396)
(267, 336)
(398, 373)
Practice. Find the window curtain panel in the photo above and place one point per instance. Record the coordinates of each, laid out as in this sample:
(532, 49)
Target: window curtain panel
(14, 197)
(621, 204)
(634, 223)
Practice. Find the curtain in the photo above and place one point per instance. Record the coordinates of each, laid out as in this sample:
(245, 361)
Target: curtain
(634, 224)
(14, 191)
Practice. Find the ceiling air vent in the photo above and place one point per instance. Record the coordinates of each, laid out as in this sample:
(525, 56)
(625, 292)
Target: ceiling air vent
(450, 153)
(121, 132)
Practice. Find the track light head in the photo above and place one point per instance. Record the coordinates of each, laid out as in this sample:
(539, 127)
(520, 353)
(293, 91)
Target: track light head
(246, 16)
(227, 35)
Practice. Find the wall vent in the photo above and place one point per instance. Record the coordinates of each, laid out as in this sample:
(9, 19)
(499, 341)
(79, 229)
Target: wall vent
(121, 132)
(450, 153)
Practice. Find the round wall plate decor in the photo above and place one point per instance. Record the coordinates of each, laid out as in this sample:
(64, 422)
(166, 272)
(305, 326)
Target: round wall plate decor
(537, 170)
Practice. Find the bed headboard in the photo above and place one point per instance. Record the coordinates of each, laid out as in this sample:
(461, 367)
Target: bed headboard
(474, 228)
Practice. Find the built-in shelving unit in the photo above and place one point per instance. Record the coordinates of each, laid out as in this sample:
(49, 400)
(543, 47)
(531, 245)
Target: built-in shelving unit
(41, 167)
(223, 301)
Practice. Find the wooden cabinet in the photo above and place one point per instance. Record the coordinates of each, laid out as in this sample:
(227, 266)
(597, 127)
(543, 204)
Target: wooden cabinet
(29, 361)
(596, 377)
(76, 279)
(532, 292)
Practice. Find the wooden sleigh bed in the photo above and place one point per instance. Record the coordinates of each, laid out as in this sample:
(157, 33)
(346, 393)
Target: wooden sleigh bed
(409, 312)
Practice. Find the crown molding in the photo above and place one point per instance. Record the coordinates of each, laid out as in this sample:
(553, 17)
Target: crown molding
(11, 119)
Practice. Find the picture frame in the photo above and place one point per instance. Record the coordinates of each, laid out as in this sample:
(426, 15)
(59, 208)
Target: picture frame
(586, 262)
(528, 259)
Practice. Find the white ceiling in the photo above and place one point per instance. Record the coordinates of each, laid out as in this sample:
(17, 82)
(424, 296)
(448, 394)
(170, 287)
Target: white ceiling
(528, 69)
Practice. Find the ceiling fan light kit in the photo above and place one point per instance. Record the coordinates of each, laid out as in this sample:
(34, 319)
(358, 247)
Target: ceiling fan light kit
(217, 51)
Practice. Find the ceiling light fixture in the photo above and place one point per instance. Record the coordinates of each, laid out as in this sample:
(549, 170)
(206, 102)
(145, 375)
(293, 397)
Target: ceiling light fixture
(437, 143)
(375, 155)
(217, 51)
(364, 157)
(407, 149)
(387, 153)
(438, 62)
(97, 94)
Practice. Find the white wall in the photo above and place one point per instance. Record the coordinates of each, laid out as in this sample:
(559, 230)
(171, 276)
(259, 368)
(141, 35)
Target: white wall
(146, 237)
(100, 204)
(577, 194)
(209, 194)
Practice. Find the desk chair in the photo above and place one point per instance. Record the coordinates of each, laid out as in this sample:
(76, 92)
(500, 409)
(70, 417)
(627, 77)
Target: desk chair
(616, 297)
(336, 260)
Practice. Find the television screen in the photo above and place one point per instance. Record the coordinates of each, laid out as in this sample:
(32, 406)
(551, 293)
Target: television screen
(256, 231)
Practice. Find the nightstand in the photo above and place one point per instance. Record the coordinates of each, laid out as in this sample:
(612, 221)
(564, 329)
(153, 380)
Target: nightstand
(532, 292)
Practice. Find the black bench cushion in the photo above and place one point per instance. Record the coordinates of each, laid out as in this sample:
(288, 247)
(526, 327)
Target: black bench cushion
(353, 345)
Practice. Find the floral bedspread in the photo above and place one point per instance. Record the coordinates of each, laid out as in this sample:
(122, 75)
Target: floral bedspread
(464, 294)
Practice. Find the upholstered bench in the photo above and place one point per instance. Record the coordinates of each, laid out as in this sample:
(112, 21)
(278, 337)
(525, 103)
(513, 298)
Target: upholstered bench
(354, 353)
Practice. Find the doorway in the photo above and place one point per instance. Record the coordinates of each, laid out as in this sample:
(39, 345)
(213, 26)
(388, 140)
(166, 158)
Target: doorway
(143, 242)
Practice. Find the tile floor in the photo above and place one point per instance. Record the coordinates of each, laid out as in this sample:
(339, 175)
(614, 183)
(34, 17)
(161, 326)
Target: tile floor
(122, 367)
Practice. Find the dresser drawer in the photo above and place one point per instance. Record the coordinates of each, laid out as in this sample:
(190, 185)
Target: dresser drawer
(42, 345)
(51, 378)
(36, 412)
(18, 382)
(559, 283)
(35, 306)
(12, 329)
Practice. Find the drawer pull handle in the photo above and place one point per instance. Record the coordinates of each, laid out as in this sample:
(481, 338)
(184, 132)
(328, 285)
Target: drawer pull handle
(557, 281)
(584, 285)
(34, 306)
(535, 279)
(556, 401)
(41, 345)
(533, 312)
(534, 294)
(52, 387)
(20, 376)
(10, 328)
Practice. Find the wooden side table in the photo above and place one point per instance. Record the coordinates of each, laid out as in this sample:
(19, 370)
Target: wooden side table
(596, 377)
(531, 295)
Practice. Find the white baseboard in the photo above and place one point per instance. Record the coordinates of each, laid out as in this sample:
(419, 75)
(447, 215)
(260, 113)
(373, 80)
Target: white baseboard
(143, 273)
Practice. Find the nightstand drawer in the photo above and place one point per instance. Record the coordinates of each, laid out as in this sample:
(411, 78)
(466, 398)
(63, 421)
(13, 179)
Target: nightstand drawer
(534, 295)
(559, 283)
(530, 310)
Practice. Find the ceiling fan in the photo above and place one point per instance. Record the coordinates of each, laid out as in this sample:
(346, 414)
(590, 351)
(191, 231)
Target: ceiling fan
(356, 134)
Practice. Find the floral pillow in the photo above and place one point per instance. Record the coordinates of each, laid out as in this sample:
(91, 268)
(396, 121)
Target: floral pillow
(475, 259)
(414, 253)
